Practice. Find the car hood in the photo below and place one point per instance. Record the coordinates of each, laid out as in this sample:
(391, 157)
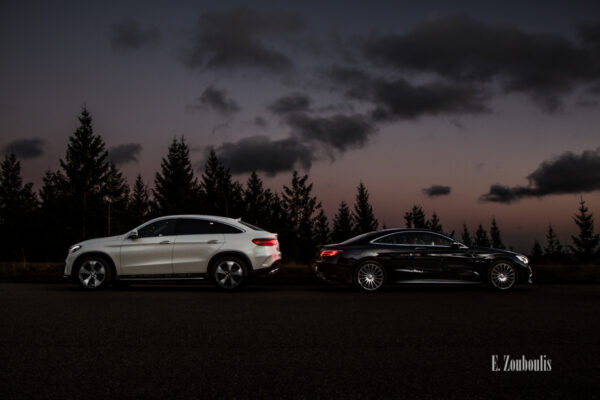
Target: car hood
(104, 240)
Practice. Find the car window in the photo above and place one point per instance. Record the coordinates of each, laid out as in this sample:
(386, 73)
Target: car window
(196, 226)
(399, 238)
(431, 239)
(164, 227)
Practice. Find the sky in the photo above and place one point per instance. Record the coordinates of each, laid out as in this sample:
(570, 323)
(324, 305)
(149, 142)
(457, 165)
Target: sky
(471, 109)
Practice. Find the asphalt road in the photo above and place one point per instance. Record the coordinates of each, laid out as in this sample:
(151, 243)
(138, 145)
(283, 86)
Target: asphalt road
(296, 342)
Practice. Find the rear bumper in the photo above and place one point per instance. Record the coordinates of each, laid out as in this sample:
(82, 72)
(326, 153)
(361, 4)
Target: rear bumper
(269, 270)
(333, 272)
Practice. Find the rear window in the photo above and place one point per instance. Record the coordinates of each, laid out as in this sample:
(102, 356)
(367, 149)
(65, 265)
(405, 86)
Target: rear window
(254, 228)
(194, 226)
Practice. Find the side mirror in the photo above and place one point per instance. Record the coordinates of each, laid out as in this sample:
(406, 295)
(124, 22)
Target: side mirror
(132, 235)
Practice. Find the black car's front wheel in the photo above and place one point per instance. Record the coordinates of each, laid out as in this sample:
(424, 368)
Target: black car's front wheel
(369, 276)
(502, 275)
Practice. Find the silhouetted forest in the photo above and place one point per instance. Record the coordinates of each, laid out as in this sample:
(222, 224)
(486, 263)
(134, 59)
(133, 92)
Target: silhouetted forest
(88, 197)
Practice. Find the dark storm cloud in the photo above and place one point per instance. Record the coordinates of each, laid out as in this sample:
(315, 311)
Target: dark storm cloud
(261, 153)
(567, 173)
(124, 153)
(459, 48)
(400, 99)
(437, 190)
(128, 35)
(260, 122)
(26, 148)
(217, 100)
(236, 38)
(338, 131)
(292, 103)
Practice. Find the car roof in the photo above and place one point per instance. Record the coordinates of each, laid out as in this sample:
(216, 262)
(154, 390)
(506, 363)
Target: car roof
(367, 237)
(214, 217)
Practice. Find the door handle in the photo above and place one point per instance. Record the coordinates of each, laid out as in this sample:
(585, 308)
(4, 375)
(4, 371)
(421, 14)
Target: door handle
(212, 241)
(165, 242)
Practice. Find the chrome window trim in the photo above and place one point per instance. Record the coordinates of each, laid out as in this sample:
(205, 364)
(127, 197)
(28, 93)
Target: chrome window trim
(416, 245)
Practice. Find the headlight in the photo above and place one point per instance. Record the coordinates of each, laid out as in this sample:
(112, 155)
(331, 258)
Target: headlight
(74, 248)
(523, 259)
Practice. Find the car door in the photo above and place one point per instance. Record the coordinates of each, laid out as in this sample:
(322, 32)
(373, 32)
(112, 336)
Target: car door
(446, 259)
(198, 239)
(398, 253)
(151, 252)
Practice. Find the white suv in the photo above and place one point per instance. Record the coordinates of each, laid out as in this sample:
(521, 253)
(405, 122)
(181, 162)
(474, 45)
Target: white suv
(180, 247)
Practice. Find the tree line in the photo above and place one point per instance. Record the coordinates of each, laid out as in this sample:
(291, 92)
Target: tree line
(87, 197)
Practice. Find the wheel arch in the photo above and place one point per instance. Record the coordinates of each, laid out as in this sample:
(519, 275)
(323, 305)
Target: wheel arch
(230, 253)
(111, 262)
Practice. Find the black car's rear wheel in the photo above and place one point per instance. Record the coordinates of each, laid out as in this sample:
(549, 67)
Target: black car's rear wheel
(502, 275)
(369, 276)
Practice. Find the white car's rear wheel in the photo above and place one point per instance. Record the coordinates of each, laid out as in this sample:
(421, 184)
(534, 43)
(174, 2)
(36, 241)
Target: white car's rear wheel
(229, 273)
(93, 273)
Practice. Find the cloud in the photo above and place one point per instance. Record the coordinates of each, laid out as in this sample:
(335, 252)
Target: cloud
(26, 148)
(261, 122)
(217, 100)
(338, 131)
(124, 153)
(568, 173)
(437, 190)
(237, 38)
(128, 36)
(261, 153)
(295, 102)
(400, 99)
(462, 49)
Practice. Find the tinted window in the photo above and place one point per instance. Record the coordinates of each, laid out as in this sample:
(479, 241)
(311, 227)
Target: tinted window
(165, 227)
(431, 239)
(254, 228)
(194, 226)
(399, 238)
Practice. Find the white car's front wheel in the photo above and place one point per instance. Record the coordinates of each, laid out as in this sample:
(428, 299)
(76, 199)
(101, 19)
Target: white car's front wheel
(93, 273)
(229, 273)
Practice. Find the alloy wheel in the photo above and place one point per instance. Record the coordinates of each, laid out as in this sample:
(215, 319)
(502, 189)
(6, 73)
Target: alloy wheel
(92, 274)
(370, 276)
(503, 276)
(229, 274)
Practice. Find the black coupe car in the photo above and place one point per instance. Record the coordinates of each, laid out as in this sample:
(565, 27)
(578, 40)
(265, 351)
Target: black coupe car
(397, 256)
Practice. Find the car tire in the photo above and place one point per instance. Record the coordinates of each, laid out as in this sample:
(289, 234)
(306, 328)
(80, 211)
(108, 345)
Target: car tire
(502, 276)
(369, 276)
(229, 273)
(93, 273)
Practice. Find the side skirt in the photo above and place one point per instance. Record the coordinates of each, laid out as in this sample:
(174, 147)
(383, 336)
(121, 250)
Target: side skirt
(162, 277)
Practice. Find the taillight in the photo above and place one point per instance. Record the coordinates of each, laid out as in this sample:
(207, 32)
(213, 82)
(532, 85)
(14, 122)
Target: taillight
(265, 242)
(330, 253)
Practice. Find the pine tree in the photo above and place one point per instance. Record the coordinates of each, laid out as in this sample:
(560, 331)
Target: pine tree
(416, 218)
(585, 243)
(466, 236)
(300, 206)
(322, 231)
(553, 247)
(364, 218)
(86, 173)
(257, 201)
(481, 237)
(175, 187)
(18, 205)
(536, 251)
(343, 226)
(495, 235)
(434, 223)
(117, 197)
(219, 194)
(139, 206)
